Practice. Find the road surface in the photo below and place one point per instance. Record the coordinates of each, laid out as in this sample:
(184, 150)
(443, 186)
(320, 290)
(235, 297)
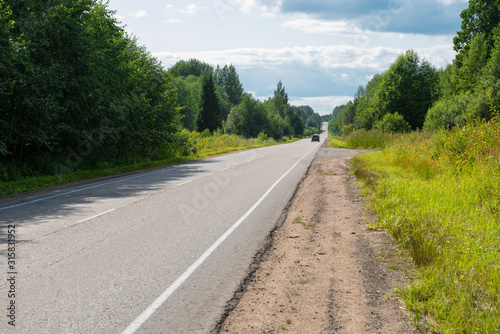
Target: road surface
(157, 252)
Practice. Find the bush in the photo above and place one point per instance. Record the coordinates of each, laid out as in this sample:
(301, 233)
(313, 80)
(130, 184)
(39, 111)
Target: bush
(261, 137)
(347, 130)
(457, 111)
(393, 123)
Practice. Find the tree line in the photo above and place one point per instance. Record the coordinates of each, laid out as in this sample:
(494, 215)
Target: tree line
(214, 98)
(413, 94)
(77, 91)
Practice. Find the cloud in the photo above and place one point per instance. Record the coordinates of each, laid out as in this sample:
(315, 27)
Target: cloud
(321, 104)
(317, 26)
(331, 57)
(431, 17)
(139, 14)
(173, 21)
(192, 9)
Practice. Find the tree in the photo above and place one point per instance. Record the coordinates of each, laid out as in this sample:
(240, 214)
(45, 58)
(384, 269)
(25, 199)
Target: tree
(209, 116)
(393, 123)
(366, 101)
(76, 82)
(480, 18)
(184, 68)
(409, 87)
(229, 80)
(247, 118)
(280, 99)
(188, 97)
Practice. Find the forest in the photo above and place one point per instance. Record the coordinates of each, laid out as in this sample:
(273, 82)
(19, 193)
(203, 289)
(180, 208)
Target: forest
(413, 94)
(78, 92)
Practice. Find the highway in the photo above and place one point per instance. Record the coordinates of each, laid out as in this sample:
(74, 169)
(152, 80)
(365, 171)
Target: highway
(162, 251)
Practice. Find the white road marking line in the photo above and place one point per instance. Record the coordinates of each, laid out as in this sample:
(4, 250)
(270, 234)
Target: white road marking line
(98, 215)
(183, 183)
(141, 319)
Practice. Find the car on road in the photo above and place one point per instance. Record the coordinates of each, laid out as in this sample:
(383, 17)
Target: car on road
(315, 138)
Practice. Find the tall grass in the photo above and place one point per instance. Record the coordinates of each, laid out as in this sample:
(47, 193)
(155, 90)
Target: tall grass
(362, 139)
(439, 196)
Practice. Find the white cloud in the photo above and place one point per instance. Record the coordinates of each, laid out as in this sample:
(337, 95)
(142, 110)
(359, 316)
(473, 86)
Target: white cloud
(139, 14)
(246, 5)
(329, 57)
(325, 27)
(173, 21)
(321, 104)
(192, 9)
(449, 2)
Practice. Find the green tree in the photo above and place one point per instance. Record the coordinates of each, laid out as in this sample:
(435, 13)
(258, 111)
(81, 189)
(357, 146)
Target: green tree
(184, 68)
(209, 116)
(77, 83)
(229, 80)
(247, 118)
(366, 101)
(188, 97)
(280, 99)
(393, 123)
(335, 119)
(409, 87)
(480, 18)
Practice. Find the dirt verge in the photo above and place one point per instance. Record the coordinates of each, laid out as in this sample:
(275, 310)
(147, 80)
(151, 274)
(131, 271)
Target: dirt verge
(325, 272)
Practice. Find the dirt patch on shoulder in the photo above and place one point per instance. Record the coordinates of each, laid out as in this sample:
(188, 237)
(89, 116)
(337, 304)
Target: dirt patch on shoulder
(325, 272)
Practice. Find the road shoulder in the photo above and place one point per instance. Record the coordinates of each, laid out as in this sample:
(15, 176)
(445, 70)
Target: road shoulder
(325, 271)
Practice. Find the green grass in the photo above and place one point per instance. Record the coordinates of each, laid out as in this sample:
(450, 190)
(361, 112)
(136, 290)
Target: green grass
(197, 146)
(439, 196)
(361, 139)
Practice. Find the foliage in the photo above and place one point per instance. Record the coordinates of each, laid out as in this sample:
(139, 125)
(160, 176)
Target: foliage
(393, 123)
(188, 91)
(77, 86)
(480, 18)
(229, 80)
(409, 88)
(247, 119)
(439, 195)
(335, 119)
(185, 68)
(366, 102)
(210, 115)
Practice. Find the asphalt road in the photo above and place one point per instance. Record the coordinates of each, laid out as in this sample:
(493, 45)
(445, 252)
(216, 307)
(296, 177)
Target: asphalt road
(157, 252)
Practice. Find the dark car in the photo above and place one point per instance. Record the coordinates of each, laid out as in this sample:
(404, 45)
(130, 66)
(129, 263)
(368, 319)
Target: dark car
(315, 138)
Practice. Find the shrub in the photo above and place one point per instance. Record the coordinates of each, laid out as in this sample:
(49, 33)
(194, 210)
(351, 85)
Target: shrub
(347, 130)
(393, 123)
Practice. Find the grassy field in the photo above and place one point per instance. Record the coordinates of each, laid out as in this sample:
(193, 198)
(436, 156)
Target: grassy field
(439, 196)
(196, 146)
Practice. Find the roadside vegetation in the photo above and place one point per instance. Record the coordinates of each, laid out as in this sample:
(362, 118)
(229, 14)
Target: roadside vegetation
(79, 98)
(439, 196)
(434, 181)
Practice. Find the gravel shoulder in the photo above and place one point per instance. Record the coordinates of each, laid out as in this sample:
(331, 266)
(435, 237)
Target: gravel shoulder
(325, 271)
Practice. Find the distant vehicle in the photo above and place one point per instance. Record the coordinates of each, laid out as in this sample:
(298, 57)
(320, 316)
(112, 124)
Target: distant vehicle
(315, 138)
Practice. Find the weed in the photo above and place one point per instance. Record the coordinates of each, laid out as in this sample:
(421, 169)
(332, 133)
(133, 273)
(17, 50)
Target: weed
(438, 195)
(299, 220)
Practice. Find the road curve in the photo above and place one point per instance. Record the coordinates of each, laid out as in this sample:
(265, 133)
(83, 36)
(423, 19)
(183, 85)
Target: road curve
(157, 252)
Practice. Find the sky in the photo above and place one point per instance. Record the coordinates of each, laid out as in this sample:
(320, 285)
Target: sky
(321, 50)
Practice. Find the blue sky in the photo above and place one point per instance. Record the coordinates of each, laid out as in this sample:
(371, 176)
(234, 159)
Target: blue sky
(321, 50)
